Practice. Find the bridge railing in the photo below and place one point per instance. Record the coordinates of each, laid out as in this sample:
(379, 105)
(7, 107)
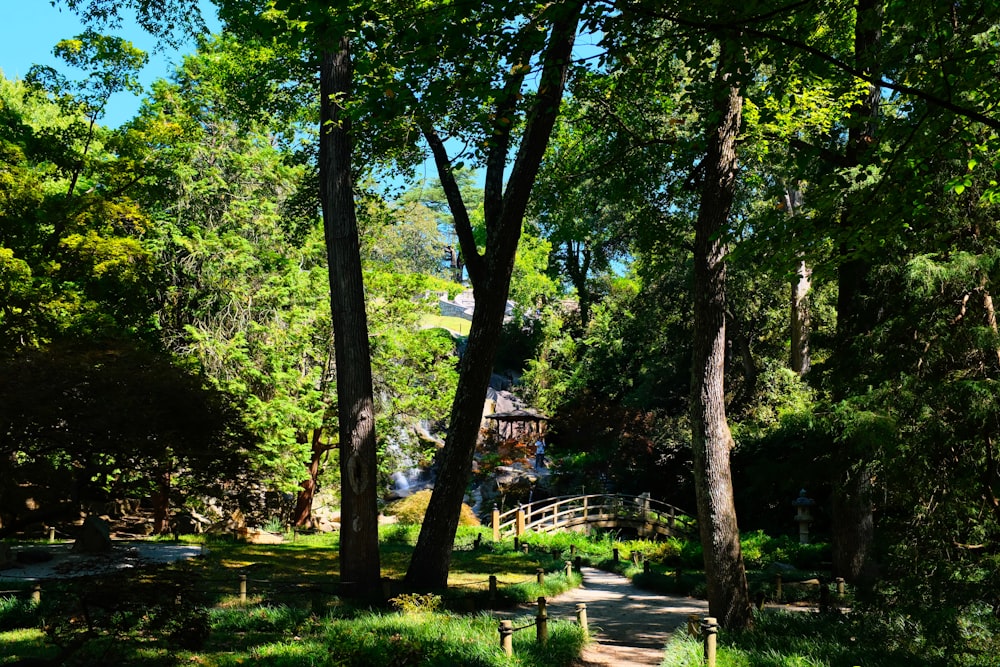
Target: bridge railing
(570, 511)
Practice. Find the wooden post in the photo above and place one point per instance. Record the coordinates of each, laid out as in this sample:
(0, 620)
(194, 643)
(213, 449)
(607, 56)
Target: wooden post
(517, 543)
(507, 637)
(36, 594)
(709, 629)
(614, 554)
(317, 603)
(493, 588)
(243, 588)
(52, 534)
(542, 623)
(572, 550)
(581, 618)
(840, 586)
(525, 547)
(540, 575)
(519, 522)
(645, 566)
(777, 587)
(585, 509)
(496, 524)
(578, 562)
(569, 569)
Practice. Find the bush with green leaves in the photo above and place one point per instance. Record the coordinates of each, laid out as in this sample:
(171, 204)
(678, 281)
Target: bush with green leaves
(411, 510)
(18, 612)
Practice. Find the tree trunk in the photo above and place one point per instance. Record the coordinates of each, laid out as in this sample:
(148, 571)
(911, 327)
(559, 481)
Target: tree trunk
(799, 318)
(991, 320)
(359, 556)
(728, 594)
(490, 274)
(302, 514)
(161, 504)
(853, 521)
(432, 554)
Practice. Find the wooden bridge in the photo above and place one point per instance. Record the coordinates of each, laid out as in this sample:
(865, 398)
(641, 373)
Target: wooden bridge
(641, 513)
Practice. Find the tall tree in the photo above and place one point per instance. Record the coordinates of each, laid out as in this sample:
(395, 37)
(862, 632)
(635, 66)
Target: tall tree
(490, 271)
(853, 521)
(728, 594)
(359, 560)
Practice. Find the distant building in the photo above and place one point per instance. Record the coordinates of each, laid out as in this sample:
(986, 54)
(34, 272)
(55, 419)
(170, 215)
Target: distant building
(463, 305)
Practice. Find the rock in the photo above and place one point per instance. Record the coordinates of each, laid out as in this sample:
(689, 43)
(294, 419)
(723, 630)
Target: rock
(94, 537)
(189, 523)
(6, 556)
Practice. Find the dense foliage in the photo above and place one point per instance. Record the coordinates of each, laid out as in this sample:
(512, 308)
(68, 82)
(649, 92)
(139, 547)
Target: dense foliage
(175, 265)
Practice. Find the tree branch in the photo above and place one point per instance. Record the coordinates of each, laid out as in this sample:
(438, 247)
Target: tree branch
(745, 30)
(463, 225)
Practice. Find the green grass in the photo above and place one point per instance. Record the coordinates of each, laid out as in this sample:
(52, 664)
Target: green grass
(456, 325)
(190, 612)
(795, 639)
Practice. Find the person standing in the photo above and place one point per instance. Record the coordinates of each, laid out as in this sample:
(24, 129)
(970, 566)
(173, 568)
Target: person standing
(540, 453)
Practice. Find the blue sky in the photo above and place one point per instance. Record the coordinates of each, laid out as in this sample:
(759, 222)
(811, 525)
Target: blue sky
(30, 28)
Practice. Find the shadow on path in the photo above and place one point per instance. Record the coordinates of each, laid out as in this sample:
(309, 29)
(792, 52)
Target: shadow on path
(630, 625)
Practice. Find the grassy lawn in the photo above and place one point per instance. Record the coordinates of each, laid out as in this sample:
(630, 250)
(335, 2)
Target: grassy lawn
(456, 325)
(191, 612)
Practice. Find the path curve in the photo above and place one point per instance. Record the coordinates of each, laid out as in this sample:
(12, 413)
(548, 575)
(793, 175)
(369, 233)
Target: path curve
(630, 625)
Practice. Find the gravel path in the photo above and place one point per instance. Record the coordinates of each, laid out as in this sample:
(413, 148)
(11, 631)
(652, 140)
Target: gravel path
(62, 562)
(630, 626)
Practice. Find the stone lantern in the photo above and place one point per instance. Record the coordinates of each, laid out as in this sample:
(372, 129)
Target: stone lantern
(802, 515)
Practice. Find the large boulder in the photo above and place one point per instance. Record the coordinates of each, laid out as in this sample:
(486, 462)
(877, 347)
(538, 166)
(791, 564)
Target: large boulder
(94, 537)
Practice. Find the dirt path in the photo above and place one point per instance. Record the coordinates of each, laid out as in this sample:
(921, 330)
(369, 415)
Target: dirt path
(630, 626)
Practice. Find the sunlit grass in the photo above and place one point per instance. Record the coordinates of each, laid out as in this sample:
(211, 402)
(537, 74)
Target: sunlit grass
(453, 324)
(25, 643)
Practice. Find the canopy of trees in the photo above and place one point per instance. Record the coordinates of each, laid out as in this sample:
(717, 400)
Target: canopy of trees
(751, 249)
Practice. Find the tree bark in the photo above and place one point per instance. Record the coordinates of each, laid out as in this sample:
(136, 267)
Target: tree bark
(490, 276)
(853, 514)
(160, 499)
(800, 319)
(359, 555)
(302, 514)
(728, 594)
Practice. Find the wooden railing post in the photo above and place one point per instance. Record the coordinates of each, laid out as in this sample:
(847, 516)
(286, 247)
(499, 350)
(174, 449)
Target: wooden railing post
(614, 554)
(36, 594)
(243, 588)
(569, 569)
(540, 576)
(496, 523)
(709, 630)
(542, 623)
(507, 637)
(581, 618)
(519, 522)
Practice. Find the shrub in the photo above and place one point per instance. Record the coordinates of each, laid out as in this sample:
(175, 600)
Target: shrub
(18, 613)
(415, 603)
(411, 510)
